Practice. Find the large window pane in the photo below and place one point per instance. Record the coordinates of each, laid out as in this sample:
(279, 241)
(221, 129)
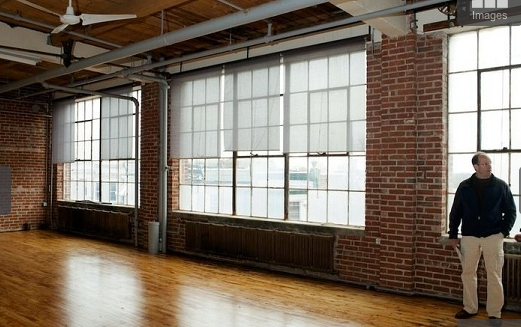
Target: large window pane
(495, 90)
(494, 47)
(516, 85)
(339, 71)
(338, 173)
(356, 208)
(463, 132)
(463, 92)
(463, 54)
(259, 172)
(515, 161)
(276, 203)
(516, 46)
(185, 197)
(298, 81)
(276, 172)
(317, 206)
(211, 172)
(357, 173)
(198, 198)
(259, 206)
(357, 65)
(211, 199)
(243, 201)
(357, 102)
(516, 131)
(337, 212)
(225, 200)
(501, 166)
(495, 132)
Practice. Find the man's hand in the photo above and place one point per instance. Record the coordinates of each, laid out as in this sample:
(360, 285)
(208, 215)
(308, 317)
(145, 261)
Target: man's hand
(454, 242)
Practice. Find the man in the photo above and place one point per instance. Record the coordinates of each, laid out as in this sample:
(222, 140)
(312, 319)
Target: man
(485, 207)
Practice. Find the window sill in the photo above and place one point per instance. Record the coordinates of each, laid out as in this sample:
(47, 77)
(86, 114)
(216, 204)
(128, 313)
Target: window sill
(289, 226)
(95, 205)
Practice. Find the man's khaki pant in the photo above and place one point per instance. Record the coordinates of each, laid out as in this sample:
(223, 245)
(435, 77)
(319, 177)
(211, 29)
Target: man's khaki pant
(492, 249)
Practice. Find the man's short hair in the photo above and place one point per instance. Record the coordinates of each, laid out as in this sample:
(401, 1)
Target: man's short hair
(475, 157)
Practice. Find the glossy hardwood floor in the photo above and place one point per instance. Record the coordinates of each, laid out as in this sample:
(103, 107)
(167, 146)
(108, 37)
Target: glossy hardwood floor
(52, 279)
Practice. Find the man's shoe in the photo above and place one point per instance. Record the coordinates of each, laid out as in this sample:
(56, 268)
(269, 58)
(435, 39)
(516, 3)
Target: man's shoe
(494, 321)
(462, 314)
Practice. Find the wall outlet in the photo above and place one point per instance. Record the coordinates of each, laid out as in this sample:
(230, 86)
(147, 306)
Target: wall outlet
(44, 204)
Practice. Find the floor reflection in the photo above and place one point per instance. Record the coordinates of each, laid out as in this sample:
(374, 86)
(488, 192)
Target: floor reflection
(99, 290)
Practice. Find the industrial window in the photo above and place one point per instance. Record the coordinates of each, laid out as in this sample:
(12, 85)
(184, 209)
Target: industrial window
(279, 137)
(96, 144)
(484, 107)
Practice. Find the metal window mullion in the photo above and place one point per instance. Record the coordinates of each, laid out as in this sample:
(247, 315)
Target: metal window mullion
(234, 183)
(100, 178)
(286, 186)
(479, 111)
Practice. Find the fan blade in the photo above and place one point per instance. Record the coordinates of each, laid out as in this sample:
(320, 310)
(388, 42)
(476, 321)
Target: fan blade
(59, 28)
(30, 4)
(88, 19)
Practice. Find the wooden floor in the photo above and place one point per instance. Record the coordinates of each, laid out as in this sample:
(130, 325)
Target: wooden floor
(51, 279)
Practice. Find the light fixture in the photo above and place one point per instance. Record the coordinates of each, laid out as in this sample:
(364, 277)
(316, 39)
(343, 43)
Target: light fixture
(18, 56)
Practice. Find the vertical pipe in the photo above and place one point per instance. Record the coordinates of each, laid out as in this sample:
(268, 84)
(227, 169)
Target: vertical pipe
(163, 163)
(136, 171)
(51, 199)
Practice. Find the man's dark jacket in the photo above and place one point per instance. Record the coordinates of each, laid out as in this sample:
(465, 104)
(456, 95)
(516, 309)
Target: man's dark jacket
(492, 212)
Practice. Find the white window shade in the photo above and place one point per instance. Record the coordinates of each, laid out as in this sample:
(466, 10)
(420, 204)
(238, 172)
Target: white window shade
(325, 100)
(196, 115)
(252, 106)
(118, 127)
(63, 119)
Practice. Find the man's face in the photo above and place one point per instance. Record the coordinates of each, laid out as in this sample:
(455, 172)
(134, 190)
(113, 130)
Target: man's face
(483, 167)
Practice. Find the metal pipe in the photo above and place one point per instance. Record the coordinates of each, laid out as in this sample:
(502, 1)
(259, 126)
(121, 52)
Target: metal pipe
(136, 162)
(261, 12)
(163, 163)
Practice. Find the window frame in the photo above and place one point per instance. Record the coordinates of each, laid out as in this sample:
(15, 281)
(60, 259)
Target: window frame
(472, 114)
(111, 179)
(194, 172)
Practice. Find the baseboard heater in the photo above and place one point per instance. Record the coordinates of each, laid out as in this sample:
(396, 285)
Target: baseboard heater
(512, 281)
(92, 222)
(297, 250)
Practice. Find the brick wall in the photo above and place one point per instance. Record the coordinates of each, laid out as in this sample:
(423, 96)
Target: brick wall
(406, 173)
(23, 148)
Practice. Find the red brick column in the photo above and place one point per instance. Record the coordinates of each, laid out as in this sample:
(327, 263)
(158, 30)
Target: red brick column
(406, 169)
(149, 160)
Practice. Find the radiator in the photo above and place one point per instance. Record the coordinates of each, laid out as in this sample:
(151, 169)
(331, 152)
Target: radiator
(306, 251)
(512, 279)
(92, 222)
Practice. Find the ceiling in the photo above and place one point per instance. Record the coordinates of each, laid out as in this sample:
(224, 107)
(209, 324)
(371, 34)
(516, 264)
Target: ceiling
(62, 58)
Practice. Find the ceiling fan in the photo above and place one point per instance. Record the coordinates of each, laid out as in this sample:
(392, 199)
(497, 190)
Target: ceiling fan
(70, 18)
